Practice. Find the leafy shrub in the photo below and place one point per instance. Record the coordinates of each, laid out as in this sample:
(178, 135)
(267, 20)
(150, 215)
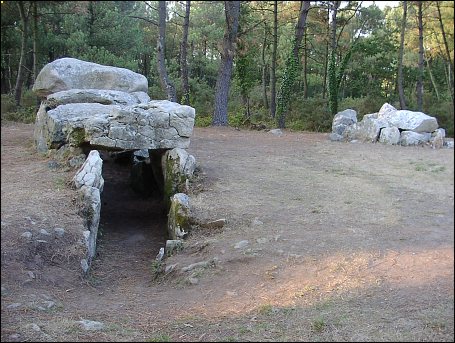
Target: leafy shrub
(203, 121)
(25, 113)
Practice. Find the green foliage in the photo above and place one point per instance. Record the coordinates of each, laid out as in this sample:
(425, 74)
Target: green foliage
(286, 87)
(235, 119)
(203, 121)
(23, 114)
(332, 84)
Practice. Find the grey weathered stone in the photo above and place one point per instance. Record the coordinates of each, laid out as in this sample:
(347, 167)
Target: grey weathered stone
(159, 124)
(90, 174)
(437, 138)
(342, 120)
(178, 218)
(276, 132)
(27, 235)
(202, 264)
(178, 166)
(91, 325)
(100, 96)
(241, 244)
(386, 109)
(449, 144)
(90, 183)
(414, 138)
(411, 121)
(390, 135)
(59, 231)
(335, 137)
(70, 73)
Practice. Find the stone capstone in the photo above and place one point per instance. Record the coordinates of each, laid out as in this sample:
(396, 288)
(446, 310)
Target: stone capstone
(158, 124)
(101, 96)
(70, 73)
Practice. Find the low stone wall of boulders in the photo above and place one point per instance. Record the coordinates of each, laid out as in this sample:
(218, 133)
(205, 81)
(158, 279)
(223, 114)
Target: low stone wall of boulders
(389, 126)
(86, 107)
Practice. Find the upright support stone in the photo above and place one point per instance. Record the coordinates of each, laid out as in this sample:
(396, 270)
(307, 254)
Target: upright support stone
(90, 183)
(178, 166)
(179, 217)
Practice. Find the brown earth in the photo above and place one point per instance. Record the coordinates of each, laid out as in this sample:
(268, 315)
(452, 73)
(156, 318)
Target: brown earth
(346, 242)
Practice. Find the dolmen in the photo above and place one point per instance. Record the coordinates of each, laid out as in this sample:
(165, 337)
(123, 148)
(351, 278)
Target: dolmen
(86, 107)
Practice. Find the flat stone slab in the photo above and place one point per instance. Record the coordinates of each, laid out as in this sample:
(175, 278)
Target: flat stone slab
(70, 73)
(157, 124)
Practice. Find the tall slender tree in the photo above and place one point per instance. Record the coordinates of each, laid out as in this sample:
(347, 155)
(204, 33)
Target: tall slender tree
(223, 82)
(273, 67)
(23, 12)
(183, 55)
(166, 83)
(290, 73)
(400, 58)
(420, 77)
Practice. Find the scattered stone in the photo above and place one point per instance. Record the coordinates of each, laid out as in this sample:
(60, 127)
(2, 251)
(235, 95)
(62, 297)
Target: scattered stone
(4, 291)
(15, 337)
(262, 240)
(257, 222)
(33, 327)
(30, 274)
(49, 304)
(241, 244)
(389, 126)
(27, 235)
(44, 232)
(203, 264)
(193, 280)
(170, 268)
(342, 120)
(59, 231)
(90, 325)
(13, 306)
(215, 224)
(173, 245)
(276, 132)
(160, 255)
(449, 144)
(53, 165)
(41, 241)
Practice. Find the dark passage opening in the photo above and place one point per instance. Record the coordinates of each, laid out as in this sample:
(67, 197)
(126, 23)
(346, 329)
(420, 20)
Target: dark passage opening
(133, 220)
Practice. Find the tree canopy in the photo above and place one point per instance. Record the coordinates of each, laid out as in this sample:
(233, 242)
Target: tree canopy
(353, 64)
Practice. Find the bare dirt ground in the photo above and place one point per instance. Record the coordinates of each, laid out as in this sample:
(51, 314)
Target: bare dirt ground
(345, 242)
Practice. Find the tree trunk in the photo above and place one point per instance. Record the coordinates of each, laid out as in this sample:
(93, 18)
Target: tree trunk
(166, 84)
(223, 82)
(400, 58)
(305, 66)
(432, 79)
(21, 69)
(273, 69)
(420, 77)
(326, 60)
(290, 73)
(35, 37)
(300, 27)
(332, 75)
(264, 70)
(446, 46)
(183, 56)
